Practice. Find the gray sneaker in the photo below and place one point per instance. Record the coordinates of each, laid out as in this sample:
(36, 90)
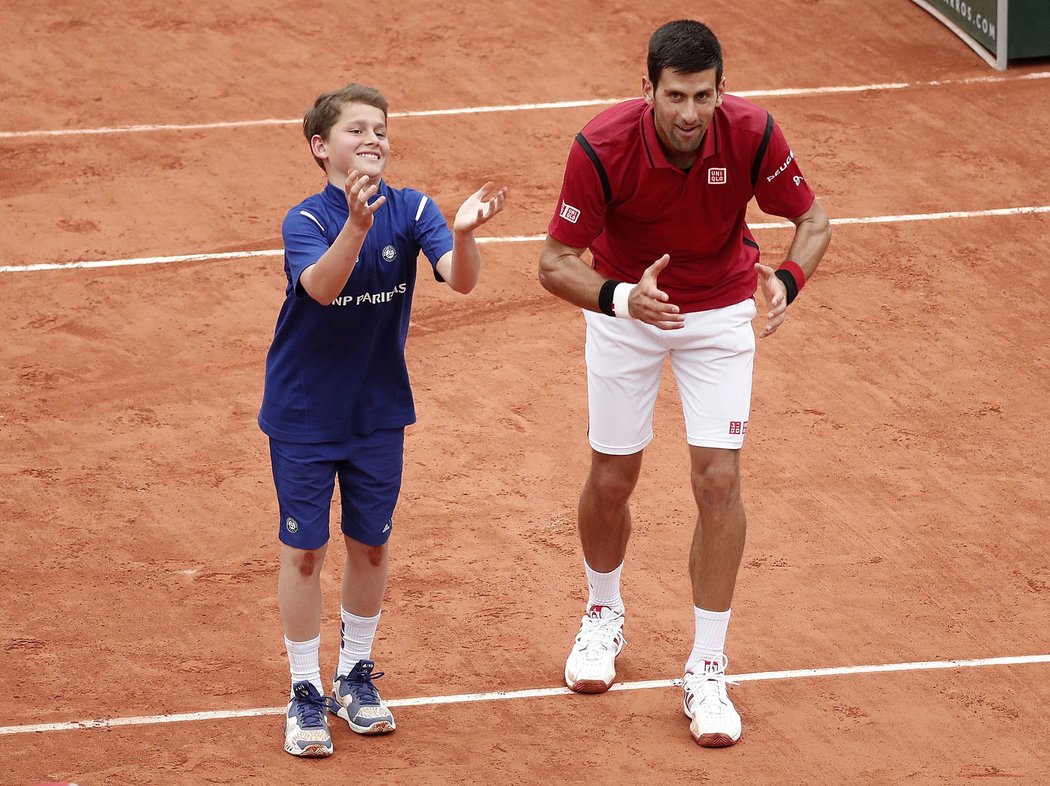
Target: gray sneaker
(306, 723)
(358, 701)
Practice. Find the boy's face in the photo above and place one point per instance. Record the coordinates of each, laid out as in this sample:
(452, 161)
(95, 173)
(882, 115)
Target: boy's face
(357, 141)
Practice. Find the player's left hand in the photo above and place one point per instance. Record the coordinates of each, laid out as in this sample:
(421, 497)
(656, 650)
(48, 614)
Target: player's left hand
(775, 294)
(480, 206)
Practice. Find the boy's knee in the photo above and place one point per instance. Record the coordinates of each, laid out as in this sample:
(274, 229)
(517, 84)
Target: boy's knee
(307, 562)
(375, 555)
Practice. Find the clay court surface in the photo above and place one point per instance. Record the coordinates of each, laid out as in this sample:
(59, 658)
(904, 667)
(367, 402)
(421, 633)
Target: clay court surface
(897, 476)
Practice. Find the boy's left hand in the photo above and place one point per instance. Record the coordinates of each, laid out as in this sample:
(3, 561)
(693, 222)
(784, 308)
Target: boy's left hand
(480, 206)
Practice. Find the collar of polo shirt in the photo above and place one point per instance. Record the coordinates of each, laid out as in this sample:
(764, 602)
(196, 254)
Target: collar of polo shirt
(655, 151)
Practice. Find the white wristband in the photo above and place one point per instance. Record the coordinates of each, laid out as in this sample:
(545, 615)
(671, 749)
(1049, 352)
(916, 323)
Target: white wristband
(619, 300)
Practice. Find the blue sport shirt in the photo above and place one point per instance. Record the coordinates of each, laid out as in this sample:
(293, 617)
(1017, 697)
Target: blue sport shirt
(337, 370)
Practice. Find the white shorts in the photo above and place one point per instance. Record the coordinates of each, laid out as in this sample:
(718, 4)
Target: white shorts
(712, 358)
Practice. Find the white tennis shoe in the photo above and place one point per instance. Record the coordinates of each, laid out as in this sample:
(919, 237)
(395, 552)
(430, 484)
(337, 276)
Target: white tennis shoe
(590, 667)
(715, 722)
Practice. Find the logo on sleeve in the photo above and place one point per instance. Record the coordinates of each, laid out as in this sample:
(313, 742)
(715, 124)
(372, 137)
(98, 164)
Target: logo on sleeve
(569, 213)
(782, 167)
(716, 176)
(737, 427)
(798, 180)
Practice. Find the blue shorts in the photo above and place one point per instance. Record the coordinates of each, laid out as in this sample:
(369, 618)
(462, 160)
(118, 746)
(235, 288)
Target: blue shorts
(369, 470)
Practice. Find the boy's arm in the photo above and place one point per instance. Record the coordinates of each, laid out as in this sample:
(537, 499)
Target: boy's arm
(325, 278)
(461, 266)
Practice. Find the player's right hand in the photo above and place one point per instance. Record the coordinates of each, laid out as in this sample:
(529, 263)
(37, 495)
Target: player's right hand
(649, 304)
(358, 191)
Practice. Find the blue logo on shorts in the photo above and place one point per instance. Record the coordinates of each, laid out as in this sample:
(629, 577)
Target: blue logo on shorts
(291, 525)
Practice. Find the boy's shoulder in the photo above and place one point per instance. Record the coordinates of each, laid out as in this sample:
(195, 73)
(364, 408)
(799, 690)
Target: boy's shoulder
(312, 208)
(327, 209)
(333, 196)
(405, 194)
(312, 201)
(404, 205)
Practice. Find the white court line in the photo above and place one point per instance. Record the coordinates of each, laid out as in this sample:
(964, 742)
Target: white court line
(147, 720)
(276, 252)
(477, 110)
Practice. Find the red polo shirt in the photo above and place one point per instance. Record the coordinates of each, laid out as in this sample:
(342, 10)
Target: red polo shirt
(625, 201)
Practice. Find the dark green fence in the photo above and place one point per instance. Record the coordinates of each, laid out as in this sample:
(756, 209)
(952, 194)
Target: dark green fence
(998, 30)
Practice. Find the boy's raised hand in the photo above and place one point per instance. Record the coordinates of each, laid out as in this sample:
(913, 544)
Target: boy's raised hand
(358, 192)
(480, 206)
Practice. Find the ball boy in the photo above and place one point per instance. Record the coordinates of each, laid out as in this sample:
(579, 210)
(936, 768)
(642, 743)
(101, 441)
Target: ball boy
(337, 395)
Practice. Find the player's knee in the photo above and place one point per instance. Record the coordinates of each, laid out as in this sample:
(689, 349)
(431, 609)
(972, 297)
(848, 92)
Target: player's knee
(611, 491)
(716, 487)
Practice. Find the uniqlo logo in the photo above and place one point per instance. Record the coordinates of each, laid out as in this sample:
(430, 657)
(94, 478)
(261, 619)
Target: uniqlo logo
(716, 176)
(569, 213)
(736, 427)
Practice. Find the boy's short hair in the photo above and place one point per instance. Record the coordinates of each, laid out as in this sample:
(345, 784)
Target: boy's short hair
(685, 46)
(320, 118)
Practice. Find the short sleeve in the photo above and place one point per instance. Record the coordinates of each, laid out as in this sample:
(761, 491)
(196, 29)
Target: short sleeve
(781, 190)
(304, 243)
(431, 231)
(580, 215)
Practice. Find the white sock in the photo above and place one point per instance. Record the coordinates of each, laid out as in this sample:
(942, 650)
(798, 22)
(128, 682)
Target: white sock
(357, 636)
(304, 661)
(604, 588)
(710, 639)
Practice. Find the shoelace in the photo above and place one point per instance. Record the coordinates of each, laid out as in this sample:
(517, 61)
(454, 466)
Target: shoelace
(359, 683)
(710, 685)
(595, 630)
(310, 708)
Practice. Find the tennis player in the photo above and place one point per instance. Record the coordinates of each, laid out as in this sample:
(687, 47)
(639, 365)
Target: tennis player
(657, 189)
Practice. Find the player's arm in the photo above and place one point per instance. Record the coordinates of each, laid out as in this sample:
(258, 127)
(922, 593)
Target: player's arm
(812, 236)
(564, 273)
(325, 278)
(461, 266)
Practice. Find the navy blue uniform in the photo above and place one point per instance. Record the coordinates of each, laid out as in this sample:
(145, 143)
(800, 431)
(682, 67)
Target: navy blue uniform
(337, 394)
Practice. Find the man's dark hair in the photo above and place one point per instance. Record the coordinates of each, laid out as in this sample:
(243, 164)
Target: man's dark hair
(684, 46)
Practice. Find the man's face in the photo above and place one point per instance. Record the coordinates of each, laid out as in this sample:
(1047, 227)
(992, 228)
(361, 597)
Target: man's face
(683, 106)
(357, 141)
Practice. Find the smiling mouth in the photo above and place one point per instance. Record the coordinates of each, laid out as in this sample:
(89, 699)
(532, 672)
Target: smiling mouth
(370, 155)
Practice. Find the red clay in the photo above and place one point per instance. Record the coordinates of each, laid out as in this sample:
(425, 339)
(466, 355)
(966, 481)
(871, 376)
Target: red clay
(895, 471)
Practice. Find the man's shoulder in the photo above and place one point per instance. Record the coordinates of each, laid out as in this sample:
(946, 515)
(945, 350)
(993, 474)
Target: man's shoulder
(743, 116)
(617, 127)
